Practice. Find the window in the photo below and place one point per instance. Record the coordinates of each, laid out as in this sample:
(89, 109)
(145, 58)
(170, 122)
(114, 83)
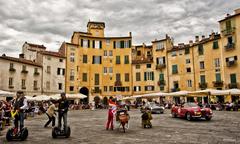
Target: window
(59, 86)
(188, 61)
(174, 69)
(105, 88)
(188, 69)
(230, 40)
(149, 88)
(63, 71)
(24, 68)
(200, 49)
(126, 59)
(105, 53)
(138, 76)
(58, 71)
(48, 85)
(72, 55)
(85, 58)
(189, 83)
(110, 53)
(161, 60)
(174, 53)
(233, 78)
(202, 79)
(137, 88)
(110, 88)
(35, 70)
(148, 65)
(118, 77)
(161, 77)
(97, 60)
(71, 88)
(138, 66)
(84, 77)
(85, 43)
(187, 50)
(127, 89)
(138, 53)
(118, 60)
(10, 82)
(96, 44)
(60, 60)
(48, 69)
(110, 70)
(202, 65)
(35, 85)
(126, 77)
(148, 76)
(107, 42)
(217, 62)
(215, 45)
(160, 46)
(105, 70)
(72, 75)
(23, 84)
(96, 79)
(218, 77)
(11, 66)
(228, 25)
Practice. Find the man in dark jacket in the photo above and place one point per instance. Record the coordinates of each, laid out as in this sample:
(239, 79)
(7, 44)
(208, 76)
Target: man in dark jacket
(20, 105)
(62, 111)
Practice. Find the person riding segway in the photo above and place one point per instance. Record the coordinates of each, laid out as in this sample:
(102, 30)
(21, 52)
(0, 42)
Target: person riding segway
(19, 107)
(62, 114)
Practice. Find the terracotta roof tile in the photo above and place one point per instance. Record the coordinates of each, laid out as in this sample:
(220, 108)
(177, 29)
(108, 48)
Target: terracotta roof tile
(21, 60)
(51, 53)
(36, 45)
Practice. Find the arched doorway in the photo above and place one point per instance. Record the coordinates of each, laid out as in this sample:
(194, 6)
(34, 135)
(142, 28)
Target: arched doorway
(85, 91)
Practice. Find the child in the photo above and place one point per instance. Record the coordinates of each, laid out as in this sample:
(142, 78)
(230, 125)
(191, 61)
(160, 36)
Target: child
(146, 118)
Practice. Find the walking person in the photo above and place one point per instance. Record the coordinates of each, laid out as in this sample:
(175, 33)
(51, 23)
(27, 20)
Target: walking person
(111, 112)
(62, 111)
(51, 114)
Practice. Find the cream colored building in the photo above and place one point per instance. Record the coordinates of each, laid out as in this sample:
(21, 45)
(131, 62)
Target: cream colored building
(20, 74)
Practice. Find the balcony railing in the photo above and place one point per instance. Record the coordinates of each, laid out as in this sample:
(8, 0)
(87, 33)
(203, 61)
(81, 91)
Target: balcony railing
(11, 86)
(142, 60)
(218, 83)
(160, 66)
(175, 89)
(118, 83)
(24, 71)
(203, 85)
(12, 69)
(36, 73)
(229, 46)
(231, 63)
(161, 82)
(228, 31)
(233, 85)
(23, 87)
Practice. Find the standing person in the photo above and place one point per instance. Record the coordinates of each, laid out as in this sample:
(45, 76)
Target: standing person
(62, 111)
(51, 114)
(111, 112)
(20, 105)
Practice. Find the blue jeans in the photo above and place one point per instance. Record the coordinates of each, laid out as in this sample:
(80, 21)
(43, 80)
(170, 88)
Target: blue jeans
(64, 117)
(19, 117)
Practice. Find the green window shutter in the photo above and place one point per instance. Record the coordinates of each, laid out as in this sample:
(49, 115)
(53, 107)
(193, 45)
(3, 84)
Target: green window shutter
(200, 49)
(93, 44)
(153, 76)
(114, 44)
(145, 76)
(215, 45)
(228, 24)
(81, 42)
(174, 69)
(88, 43)
(121, 44)
(130, 43)
(233, 78)
(100, 44)
(161, 77)
(218, 77)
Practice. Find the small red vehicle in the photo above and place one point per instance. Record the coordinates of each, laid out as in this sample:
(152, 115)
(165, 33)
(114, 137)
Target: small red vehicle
(191, 111)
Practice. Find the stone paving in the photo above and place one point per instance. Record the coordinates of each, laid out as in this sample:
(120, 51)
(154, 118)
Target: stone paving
(88, 128)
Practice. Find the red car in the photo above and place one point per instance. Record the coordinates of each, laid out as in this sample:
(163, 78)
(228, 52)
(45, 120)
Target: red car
(191, 111)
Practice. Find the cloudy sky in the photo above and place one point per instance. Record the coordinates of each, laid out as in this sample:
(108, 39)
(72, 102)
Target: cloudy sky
(50, 22)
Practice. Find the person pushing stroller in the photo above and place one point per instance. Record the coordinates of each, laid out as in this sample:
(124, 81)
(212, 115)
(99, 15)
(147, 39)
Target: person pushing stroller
(146, 118)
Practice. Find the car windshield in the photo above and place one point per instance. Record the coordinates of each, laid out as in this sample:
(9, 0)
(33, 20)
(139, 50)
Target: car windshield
(190, 105)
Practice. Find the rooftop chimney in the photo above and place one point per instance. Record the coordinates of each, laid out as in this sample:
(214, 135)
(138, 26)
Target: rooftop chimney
(196, 38)
(130, 34)
(237, 11)
(203, 37)
(21, 55)
(191, 42)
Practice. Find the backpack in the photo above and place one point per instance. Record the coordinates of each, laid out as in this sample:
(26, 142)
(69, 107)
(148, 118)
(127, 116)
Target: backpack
(145, 116)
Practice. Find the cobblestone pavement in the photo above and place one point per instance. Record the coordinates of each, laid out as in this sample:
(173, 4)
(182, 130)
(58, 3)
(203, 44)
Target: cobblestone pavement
(88, 128)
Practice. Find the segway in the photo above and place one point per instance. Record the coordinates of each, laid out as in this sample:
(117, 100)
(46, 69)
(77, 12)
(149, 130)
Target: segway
(14, 133)
(56, 131)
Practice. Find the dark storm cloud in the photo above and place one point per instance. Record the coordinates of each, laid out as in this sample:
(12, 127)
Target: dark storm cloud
(52, 22)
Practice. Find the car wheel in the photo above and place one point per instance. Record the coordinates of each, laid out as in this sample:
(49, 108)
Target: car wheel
(189, 116)
(174, 114)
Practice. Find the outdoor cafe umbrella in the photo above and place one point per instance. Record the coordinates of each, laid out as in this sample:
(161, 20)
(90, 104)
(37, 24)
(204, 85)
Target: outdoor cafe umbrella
(6, 93)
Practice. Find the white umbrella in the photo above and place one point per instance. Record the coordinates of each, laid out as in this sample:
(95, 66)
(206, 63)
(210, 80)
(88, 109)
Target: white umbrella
(76, 96)
(178, 93)
(6, 93)
(42, 98)
(234, 91)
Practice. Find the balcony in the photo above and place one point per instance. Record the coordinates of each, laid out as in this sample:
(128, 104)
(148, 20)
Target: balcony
(11, 86)
(118, 83)
(161, 82)
(218, 83)
(203, 85)
(232, 85)
(12, 69)
(23, 87)
(35, 88)
(231, 63)
(36, 73)
(160, 66)
(96, 91)
(228, 31)
(24, 71)
(142, 60)
(229, 46)
(175, 89)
